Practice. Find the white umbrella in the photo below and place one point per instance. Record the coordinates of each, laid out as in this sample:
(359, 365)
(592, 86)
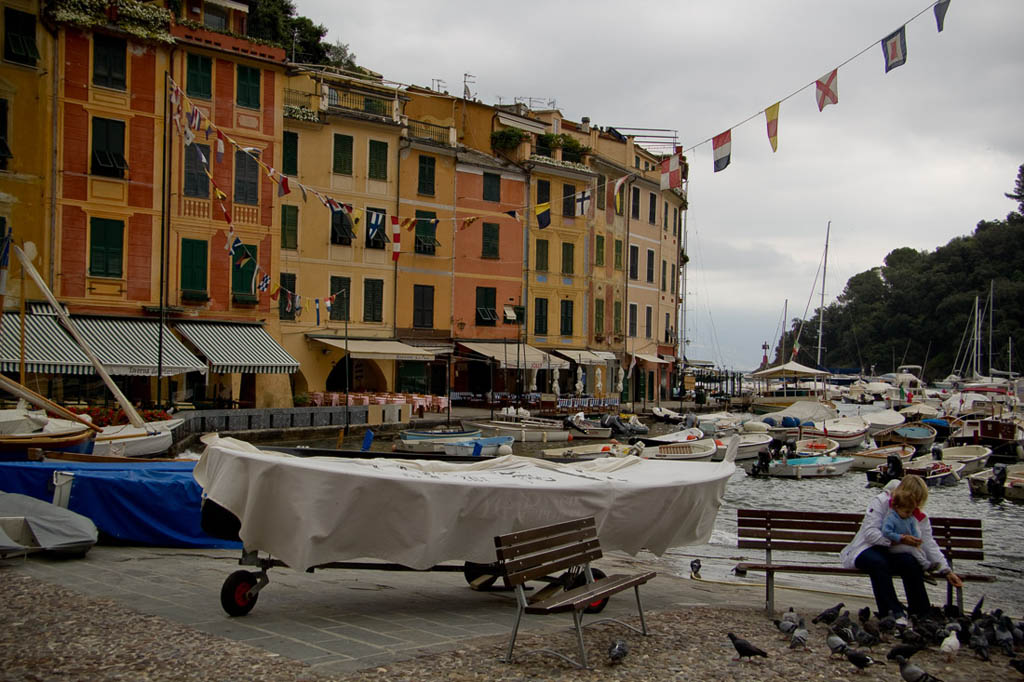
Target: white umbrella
(554, 383)
(597, 381)
(622, 377)
(533, 381)
(579, 379)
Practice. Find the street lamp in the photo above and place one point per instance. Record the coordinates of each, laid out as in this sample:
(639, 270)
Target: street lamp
(348, 360)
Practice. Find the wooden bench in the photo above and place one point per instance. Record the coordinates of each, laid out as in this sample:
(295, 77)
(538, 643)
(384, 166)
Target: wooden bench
(540, 552)
(797, 531)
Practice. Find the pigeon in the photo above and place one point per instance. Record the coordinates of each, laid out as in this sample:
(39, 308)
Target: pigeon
(791, 616)
(976, 613)
(864, 615)
(979, 643)
(865, 638)
(745, 649)
(871, 626)
(786, 627)
(950, 645)
(902, 651)
(843, 620)
(828, 616)
(861, 659)
(1017, 664)
(1004, 638)
(887, 624)
(695, 569)
(799, 638)
(617, 651)
(836, 645)
(913, 673)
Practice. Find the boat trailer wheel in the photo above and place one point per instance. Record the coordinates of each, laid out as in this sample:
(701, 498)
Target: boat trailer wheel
(580, 579)
(480, 576)
(235, 593)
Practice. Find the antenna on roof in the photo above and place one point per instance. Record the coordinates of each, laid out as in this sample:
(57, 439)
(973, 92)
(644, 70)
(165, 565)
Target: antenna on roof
(437, 85)
(467, 78)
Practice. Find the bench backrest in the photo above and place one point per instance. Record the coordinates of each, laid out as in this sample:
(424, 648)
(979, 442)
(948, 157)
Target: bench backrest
(800, 531)
(534, 552)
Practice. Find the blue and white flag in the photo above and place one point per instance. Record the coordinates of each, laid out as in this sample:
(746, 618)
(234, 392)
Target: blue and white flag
(236, 244)
(376, 221)
(264, 284)
(894, 49)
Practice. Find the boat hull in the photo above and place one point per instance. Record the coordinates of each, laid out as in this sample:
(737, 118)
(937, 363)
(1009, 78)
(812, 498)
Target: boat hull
(864, 460)
(439, 434)
(933, 473)
(973, 457)
(481, 447)
(522, 432)
(1012, 490)
(808, 467)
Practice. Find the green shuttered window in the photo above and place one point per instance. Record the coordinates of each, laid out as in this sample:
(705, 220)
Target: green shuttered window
(342, 155)
(247, 179)
(106, 246)
(373, 300)
(290, 153)
(193, 268)
(108, 61)
(199, 77)
(289, 227)
(490, 240)
(378, 167)
(426, 175)
(248, 94)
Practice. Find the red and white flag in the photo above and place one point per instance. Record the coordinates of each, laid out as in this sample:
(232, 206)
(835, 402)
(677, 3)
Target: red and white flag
(826, 89)
(396, 238)
(722, 146)
(672, 172)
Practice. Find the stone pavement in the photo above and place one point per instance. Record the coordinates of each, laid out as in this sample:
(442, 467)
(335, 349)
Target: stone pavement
(343, 620)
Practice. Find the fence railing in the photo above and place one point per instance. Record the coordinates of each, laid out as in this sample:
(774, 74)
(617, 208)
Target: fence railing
(421, 130)
(344, 99)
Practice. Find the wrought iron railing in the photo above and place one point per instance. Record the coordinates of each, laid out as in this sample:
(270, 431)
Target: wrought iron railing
(421, 130)
(345, 99)
(304, 106)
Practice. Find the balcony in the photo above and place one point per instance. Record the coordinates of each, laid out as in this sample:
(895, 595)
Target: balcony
(301, 106)
(421, 130)
(348, 101)
(197, 34)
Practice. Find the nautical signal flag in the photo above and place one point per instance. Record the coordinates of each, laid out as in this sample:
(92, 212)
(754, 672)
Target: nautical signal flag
(771, 117)
(826, 89)
(940, 13)
(619, 194)
(672, 172)
(396, 243)
(543, 213)
(583, 203)
(722, 146)
(894, 49)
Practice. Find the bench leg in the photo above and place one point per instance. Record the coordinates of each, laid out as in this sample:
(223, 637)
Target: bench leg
(960, 598)
(577, 618)
(640, 609)
(515, 630)
(769, 589)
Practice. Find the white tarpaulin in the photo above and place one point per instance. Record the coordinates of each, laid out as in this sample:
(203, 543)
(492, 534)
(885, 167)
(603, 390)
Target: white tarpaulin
(309, 511)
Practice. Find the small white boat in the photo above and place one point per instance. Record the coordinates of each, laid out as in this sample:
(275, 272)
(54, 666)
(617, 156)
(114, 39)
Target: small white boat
(816, 447)
(801, 467)
(869, 459)
(589, 451)
(680, 436)
(973, 457)
(481, 447)
(849, 432)
(422, 446)
(694, 451)
(934, 473)
(881, 420)
(918, 434)
(20, 419)
(1002, 481)
(750, 445)
(125, 440)
(581, 427)
(441, 434)
(522, 431)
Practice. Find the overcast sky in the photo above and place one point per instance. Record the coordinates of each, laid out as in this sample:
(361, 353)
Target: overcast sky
(911, 158)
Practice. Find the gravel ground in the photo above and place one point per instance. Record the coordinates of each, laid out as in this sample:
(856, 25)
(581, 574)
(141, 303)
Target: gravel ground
(50, 633)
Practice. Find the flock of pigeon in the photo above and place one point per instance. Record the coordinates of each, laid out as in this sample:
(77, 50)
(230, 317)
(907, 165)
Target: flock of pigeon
(949, 629)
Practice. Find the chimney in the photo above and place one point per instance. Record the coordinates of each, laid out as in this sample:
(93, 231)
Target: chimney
(585, 124)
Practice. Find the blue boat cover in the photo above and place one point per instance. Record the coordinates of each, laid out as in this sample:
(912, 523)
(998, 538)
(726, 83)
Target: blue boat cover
(146, 503)
(938, 423)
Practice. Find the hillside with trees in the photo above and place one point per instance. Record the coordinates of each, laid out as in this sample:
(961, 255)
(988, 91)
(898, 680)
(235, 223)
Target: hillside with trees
(915, 308)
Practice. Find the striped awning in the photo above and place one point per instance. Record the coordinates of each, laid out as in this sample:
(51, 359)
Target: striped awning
(516, 355)
(48, 348)
(581, 357)
(382, 349)
(131, 346)
(231, 348)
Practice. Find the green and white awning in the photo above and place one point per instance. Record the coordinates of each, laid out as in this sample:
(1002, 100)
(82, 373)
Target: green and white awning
(48, 348)
(231, 348)
(128, 346)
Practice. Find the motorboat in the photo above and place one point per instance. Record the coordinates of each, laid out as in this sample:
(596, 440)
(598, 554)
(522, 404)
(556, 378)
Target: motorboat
(439, 434)
(589, 451)
(749, 445)
(581, 427)
(481, 447)
(624, 425)
(871, 458)
(849, 432)
(973, 457)
(799, 467)
(934, 473)
(1003, 481)
(881, 420)
(1003, 435)
(918, 434)
(523, 430)
(681, 436)
(817, 446)
(694, 451)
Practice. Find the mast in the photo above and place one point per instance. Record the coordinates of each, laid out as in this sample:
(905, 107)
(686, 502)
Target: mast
(821, 311)
(991, 314)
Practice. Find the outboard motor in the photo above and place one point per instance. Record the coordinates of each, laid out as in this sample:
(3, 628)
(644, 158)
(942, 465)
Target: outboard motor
(937, 453)
(791, 446)
(996, 483)
(764, 462)
(690, 420)
(893, 468)
(775, 447)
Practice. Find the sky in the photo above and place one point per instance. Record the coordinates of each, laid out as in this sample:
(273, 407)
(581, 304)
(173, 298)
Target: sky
(909, 158)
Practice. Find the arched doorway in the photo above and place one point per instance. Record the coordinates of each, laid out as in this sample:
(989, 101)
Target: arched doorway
(366, 377)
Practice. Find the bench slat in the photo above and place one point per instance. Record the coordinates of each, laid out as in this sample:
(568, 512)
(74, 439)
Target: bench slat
(513, 551)
(803, 535)
(528, 534)
(585, 594)
(830, 547)
(824, 524)
(791, 514)
(837, 570)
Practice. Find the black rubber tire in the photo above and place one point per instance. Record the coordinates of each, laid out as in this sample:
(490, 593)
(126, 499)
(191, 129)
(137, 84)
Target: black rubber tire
(596, 606)
(233, 593)
(472, 571)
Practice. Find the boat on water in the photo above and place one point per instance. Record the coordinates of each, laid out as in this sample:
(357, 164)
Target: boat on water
(918, 434)
(581, 427)
(881, 420)
(1003, 481)
(749, 445)
(818, 446)
(439, 434)
(849, 432)
(1003, 435)
(934, 473)
(589, 451)
(522, 431)
(702, 450)
(973, 457)
(798, 467)
(683, 435)
(481, 447)
(869, 459)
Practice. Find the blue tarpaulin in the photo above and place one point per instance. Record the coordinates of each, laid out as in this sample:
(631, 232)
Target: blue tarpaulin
(147, 503)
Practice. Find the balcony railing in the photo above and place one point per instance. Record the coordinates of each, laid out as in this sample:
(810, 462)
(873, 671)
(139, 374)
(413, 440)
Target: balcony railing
(303, 106)
(344, 99)
(421, 130)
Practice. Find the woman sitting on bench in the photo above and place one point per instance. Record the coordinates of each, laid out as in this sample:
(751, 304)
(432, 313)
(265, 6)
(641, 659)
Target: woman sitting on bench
(870, 552)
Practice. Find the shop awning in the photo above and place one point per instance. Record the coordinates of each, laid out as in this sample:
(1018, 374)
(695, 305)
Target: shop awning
(654, 359)
(581, 357)
(131, 346)
(231, 348)
(516, 355)
(48, 348)
(376, 350)
(605, 355)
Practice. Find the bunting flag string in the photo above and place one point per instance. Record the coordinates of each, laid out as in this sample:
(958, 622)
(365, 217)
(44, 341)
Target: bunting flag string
(771, 115)
(894, 49)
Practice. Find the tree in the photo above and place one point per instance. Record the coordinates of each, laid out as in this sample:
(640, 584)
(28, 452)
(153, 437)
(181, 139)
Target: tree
(1018, 193)
(338, 55)
(276, 21)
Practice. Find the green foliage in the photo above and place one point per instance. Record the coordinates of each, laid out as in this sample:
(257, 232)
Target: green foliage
(561, 141)
(507, 139)
(1018, 193)
(141, 20)
(276, 21)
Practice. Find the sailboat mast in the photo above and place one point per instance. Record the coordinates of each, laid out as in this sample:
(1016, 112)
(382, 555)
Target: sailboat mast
(991, 311)
(821, 311)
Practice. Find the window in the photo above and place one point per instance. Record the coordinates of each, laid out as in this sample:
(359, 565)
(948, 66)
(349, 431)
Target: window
(540, 316)
(664, 216)
(634, 210)
(193, 269)
(618, 254)
(378, 167)
(636, 161)
(542, 255)
(341, 289)
(341, 228)
(20, 37)
(486, 311)
(342, 164)
(376, 228)
(650, 265)
(543, 191)
(215, 17)
(675, 220)
(664, 274)
(106, 242)
(599, 316)
(490, 240)
(492, 187)
(617, 317)
(243, 267)
(426, 178)
(248, 94)
(568, 200)
(652, 208)
(634, 262)
(199, 76)
(648, 316)
(197, 184)
(599, 250)
(247, 179)
(108, 148)
(108, 61)
(565, 317)
(289, 227)
(5, 149)
(426, 233)
(601, 182)
(632, 319)
(373, 300)
(568, 256)
(422, 306)
(290, 153)
(672, 282)
(285, 307)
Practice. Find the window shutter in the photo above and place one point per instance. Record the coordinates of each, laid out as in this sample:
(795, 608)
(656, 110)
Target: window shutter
(342, 154)
(290, 153)
(378, 167)
(289, 227)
